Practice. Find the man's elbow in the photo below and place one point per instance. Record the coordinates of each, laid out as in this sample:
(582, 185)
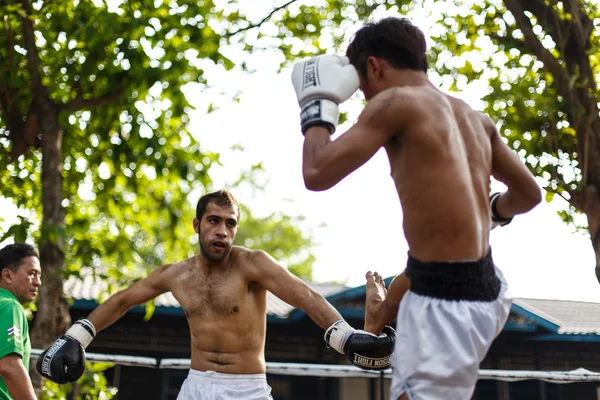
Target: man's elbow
(315, 186)
(313, 181)
(9, 365)
(533, 197)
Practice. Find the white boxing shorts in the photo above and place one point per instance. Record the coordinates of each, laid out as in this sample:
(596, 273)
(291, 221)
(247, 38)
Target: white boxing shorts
(446, 324)
(212, 385)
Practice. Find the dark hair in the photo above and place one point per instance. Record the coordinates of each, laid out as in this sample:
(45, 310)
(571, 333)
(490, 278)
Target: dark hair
(220, 198)
(396, 40)
(12, 255)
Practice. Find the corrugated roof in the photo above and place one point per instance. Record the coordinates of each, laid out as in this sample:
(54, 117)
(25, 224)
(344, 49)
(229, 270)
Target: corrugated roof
(276, 306)
(571, 317)
(89, 289)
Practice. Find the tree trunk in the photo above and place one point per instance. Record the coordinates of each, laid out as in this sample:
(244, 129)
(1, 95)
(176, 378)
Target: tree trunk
(596, 244)
(52, 316)
(592, 211)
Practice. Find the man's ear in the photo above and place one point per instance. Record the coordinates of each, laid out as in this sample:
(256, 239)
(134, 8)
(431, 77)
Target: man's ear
(7, 275)
(374, 67)
(196, 225)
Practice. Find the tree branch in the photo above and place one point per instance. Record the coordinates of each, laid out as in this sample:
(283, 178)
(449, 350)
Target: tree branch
(262, 21)
(560, 184)
(11, 47)
(33, 59)
(80, 104)
(559, 73)
(549, 20)
(510, 42)
(8, 111)
(581, 25)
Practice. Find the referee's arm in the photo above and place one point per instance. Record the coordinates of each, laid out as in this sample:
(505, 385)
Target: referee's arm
(16, 378)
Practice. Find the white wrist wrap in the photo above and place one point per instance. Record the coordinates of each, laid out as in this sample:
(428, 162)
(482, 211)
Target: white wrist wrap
(83, 331)
(320, 112)
(337, 335)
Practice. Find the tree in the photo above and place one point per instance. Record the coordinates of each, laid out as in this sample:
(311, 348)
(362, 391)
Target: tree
(543, 91)
(539, 59)
(94, 146)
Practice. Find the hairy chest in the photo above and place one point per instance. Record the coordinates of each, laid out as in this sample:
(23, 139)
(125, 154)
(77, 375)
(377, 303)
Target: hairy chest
(222, 296)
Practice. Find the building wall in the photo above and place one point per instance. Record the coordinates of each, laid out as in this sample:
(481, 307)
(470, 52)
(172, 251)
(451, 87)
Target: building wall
(167, 336)
(360, 388)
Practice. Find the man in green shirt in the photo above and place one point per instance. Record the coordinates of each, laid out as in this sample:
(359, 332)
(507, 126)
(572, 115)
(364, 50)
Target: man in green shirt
(20, 279)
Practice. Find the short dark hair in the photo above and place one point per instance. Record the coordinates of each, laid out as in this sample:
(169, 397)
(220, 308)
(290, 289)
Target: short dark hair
(220, 198)
(396, 40)
(12, 255)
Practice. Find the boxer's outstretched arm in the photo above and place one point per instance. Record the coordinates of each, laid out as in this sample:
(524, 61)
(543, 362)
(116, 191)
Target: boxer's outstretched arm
(289, 288)
(523, 192)
(139, 293)
(326, 162)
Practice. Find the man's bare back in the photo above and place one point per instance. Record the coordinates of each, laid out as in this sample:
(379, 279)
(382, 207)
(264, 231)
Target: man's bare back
(441, 165)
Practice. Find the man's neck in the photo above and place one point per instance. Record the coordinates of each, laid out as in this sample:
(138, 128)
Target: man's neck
(8, 290)
(212, 266)
(409, 78)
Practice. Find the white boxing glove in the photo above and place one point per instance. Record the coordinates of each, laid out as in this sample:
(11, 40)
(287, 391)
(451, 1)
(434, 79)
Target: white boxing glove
(321, 84)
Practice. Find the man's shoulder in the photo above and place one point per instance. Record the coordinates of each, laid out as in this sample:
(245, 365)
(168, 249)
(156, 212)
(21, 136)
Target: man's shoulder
(426, 93)
(11, 310)
(416, 101)
(244, 253)
(8, 303)
(252, 260)
(175, 268)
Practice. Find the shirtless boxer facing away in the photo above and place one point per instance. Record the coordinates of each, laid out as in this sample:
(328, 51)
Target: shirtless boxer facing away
(223, 292)
(442, 154)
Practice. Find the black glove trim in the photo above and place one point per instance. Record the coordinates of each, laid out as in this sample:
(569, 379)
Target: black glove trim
(88, 326)
(47, 359)
(319, 113)
(372, 363)
(495, 217)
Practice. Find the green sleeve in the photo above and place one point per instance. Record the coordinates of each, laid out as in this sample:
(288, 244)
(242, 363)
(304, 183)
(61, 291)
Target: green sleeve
(12, 336)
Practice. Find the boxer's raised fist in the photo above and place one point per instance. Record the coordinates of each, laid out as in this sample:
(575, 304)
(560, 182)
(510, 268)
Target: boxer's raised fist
(321, 84)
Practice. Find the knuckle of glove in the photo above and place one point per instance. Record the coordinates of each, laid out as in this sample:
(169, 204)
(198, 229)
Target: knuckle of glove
(63, 361)
(326, 77)
(370, 352)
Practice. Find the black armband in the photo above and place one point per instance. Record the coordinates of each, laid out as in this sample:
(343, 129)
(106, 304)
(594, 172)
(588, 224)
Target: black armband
(495, 217)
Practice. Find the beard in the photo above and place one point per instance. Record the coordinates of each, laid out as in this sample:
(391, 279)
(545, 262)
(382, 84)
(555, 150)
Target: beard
(205, 249)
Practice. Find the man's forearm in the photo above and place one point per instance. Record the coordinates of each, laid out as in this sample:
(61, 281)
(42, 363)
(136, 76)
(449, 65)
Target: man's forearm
(315, 140)
(321, 311)
(510, 203)
(18, 383)
(108, 312)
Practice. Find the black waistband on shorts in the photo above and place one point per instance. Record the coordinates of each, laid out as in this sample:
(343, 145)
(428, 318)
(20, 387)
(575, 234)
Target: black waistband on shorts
(454, 280)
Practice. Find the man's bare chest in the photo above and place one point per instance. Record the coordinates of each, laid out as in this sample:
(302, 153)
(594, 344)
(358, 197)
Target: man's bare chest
(219, 296)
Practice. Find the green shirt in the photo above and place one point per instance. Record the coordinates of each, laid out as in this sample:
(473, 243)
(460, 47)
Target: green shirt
(14, 333)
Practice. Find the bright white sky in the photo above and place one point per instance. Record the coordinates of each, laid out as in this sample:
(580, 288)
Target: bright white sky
(541, 256)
